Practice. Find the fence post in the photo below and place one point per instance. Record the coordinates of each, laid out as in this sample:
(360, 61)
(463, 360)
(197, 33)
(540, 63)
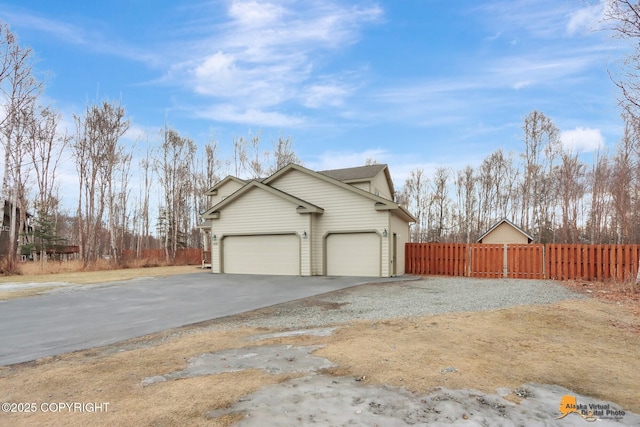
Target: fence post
(638, 259)
(505, 265)
(544, 261)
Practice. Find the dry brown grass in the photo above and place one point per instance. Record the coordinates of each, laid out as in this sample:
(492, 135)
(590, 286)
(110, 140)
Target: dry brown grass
(572, 344)
(56, 267)
(71, 266)
(98, 276)
(588, 346)
(87, 277)
(621, 293)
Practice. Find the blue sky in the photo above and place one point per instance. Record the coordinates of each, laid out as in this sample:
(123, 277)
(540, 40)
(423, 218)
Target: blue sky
(411, 83)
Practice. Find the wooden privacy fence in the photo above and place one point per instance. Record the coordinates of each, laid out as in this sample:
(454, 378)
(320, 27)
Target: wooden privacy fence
(523, 261)
(186, 256)
(592, 262)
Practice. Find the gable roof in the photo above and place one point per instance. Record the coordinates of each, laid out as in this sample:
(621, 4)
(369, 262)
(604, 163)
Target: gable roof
(213, 191)
(302, 206)
(292, 166)
(354, 174)
(497, 224)
(360, 173)
(381, 203)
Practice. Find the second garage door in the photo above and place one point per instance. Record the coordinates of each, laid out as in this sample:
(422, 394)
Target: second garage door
(353, 254)
(264, 254)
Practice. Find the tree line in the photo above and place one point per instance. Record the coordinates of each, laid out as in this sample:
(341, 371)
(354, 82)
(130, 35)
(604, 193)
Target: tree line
(546, 189)
(115, 206)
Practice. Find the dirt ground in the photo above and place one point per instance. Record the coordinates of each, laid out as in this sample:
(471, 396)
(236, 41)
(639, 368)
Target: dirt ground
(589, 347)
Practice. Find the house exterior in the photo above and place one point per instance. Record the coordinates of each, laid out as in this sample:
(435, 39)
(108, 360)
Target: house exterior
(340, 222)
(505, 231)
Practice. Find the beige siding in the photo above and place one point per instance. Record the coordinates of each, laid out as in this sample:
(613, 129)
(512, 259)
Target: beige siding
(343, 211)
(380, 184)
(260, 212)
(224, 191)
(505, 233)
(366, 186)
(377, 186)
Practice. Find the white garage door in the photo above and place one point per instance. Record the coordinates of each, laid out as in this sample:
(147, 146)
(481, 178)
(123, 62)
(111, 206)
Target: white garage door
(353, 254)
(273, 254)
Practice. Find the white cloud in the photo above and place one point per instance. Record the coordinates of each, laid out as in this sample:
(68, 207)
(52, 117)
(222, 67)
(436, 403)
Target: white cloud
(254, 116)
(322, 95)
(216, 66)
(582, 139)
(137, 133)
(268, 53)
(255, 14)
(520, 71)
(586, 19)
(541, 19)
(216, 75)
(494, 37)
(522, 84)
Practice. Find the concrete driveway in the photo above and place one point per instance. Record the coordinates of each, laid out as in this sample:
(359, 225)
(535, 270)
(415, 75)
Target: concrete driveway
(81, 317)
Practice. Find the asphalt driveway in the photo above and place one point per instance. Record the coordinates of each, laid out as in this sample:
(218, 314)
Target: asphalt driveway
(80, 317)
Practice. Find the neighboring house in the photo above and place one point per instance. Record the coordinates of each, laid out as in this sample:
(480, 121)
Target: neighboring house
(340, 222)
(21, 236)
(505, 231)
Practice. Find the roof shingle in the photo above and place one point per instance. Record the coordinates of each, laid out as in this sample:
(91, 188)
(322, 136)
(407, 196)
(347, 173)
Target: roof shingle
(353, 174)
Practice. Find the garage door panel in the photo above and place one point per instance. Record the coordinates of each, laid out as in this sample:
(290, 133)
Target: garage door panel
(353, 254)
(263, 254)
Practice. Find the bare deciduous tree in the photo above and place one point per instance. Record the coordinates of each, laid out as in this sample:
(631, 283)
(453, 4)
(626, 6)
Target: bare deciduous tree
(621, 184)
(143, 209)
(414, 197)
(467, 203)
(98, 154)
(623, 18)
(283, 154)
(45, 148)
(174, 169)
(206, 175)
(541, 137)
(570, 177)
(439, 204)
(240, 158)
(598, 184)
(19, 90)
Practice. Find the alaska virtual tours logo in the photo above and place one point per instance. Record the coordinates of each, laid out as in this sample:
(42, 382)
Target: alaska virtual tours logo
(590, 412)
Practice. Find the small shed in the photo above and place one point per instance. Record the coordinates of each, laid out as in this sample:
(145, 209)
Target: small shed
(505, 231)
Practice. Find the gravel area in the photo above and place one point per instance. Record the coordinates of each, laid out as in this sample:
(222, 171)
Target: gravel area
(424, 296)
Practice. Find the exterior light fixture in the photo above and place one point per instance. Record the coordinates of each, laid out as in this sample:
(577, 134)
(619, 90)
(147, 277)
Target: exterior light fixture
(304, 234)
(384, 233)
(215, 238)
